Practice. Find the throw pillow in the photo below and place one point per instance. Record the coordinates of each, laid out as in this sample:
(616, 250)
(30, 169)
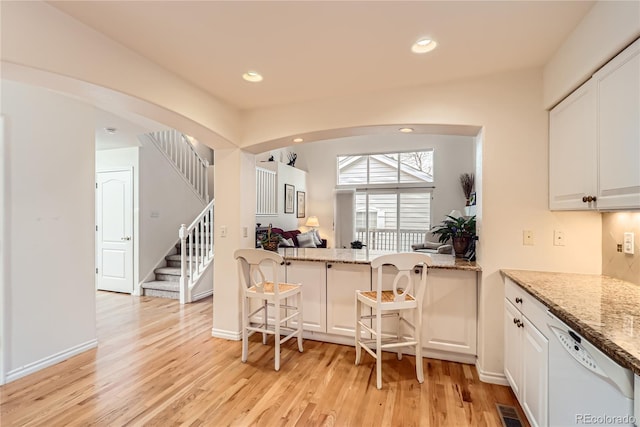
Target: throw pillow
(306, 240)
(317, 238)
(286, 242)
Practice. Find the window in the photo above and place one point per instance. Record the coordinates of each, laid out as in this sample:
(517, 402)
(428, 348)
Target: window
(392, 220)
(387, 168)
(392, 197)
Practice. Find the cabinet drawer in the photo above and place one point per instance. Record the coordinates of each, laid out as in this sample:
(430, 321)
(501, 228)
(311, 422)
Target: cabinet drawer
(530, 307)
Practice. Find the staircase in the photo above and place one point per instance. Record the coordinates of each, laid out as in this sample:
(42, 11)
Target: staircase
(186, 269)
(167, 283)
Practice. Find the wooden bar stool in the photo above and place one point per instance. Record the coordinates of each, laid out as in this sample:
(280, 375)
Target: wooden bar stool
(271, 294)
(398, 302)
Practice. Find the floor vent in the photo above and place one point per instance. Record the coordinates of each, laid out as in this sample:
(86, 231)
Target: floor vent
(509, 416)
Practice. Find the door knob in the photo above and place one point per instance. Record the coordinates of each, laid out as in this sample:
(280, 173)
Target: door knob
(126, 238)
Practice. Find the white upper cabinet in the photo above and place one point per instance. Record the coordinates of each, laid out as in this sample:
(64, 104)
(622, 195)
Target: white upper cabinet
(619, 130)
(572, 151)
(594, 140)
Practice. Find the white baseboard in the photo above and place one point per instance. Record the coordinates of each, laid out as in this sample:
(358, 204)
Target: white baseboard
(491, 377)
(30, 368)
(202, 295)
(227, 335)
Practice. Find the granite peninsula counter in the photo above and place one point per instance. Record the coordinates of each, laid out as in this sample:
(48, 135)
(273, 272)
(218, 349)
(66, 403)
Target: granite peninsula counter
(604, 310)
(365, 256)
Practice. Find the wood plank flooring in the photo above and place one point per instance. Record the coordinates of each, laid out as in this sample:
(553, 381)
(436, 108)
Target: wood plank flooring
(157, 365)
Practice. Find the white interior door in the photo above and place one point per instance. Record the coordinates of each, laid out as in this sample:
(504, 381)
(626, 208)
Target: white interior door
(114, 231)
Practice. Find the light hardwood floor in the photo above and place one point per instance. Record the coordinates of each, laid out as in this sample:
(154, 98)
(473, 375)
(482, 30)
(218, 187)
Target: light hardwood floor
(157, 364)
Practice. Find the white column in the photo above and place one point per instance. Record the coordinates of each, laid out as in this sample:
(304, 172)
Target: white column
(235, 209)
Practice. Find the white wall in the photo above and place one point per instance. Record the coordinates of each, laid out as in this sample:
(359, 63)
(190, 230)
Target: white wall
(607, 29)
(285, 174)
(50, 306)
(166, 201)
(126, 158)
(453, 155)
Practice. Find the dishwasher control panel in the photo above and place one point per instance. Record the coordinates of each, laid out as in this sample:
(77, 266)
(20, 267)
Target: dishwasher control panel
(578, 352)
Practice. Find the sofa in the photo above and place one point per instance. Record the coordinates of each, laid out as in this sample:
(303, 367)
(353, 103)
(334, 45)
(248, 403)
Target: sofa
(432, 245)
(308, 239)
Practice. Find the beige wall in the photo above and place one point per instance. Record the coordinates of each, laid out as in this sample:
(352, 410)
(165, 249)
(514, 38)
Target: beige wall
(618, 264)
(513, 193)
(49, 217)
(607, 29)
(37, 35)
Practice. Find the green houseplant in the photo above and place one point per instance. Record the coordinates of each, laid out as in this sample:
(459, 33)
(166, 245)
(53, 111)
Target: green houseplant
(461, 231)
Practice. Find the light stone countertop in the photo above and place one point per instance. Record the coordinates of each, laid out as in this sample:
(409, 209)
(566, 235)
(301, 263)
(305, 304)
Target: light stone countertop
(364, 256)
(606, 311)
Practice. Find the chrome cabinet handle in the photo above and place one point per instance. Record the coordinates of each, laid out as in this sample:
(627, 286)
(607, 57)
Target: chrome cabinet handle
(126, 238)
(518, 300)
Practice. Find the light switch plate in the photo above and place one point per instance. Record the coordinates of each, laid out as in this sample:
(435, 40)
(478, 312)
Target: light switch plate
(627, 243)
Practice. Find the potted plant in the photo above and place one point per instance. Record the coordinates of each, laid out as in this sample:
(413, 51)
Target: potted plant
(461, 231)
(269, 240)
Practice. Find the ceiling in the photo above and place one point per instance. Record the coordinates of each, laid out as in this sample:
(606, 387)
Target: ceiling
(310, 50)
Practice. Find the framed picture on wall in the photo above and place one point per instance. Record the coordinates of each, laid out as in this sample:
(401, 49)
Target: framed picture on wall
(289, 198)
(301, 212)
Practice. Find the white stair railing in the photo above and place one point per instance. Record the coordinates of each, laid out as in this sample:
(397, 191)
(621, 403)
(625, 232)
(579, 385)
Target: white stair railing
(178, 149)
(196, 248)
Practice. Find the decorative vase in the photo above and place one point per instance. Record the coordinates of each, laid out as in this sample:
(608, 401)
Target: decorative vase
(460, 245)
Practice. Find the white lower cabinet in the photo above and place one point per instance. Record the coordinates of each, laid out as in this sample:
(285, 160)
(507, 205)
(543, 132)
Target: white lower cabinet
(636, 397)
(312, 276)
(535, 363)
(526, 360)
(328, 296)
(342, 282)
(449, 311)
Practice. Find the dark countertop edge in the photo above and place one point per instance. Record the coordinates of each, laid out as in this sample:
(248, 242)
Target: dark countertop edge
(597, 339)
(475, 268)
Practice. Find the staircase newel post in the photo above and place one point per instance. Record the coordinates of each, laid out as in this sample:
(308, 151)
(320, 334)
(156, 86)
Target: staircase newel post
(183, 263)
(206, 180)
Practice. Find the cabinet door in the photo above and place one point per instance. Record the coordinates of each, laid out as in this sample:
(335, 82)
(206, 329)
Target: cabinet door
(535, 362)
(449, 311)
(313, 278)
(342, 282)
(572, 150)
(512, 347)
(619, 131)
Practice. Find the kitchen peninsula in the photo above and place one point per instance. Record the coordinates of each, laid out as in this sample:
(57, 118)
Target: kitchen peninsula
(330, 278)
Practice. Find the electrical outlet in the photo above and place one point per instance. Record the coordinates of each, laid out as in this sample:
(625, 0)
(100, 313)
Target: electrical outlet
(527, 237)
(627, 244)
(223, 231)
(245, 232)
(558, 238)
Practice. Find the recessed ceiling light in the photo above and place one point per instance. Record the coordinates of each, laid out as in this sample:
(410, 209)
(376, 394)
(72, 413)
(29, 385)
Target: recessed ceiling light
(406, 130)
(298, 139)
(424, 45)
(252, 76)
(111, 130)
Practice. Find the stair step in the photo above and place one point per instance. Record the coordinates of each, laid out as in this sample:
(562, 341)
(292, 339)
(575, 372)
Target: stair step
(172, 271)
(161, 289)
(176, 258)
(161, 285)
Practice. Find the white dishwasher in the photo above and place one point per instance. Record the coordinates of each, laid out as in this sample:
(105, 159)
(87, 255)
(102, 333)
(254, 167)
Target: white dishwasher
(586, 387)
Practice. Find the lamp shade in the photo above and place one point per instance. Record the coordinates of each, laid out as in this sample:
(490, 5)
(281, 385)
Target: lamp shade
(312, 221)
